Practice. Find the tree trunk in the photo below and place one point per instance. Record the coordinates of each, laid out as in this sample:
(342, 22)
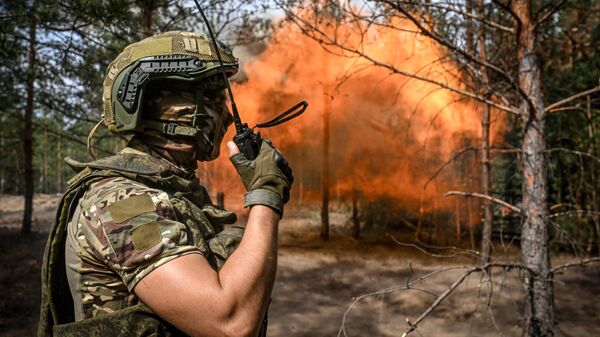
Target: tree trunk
(46, 182)
(539, 306)
(28, 126)
(355, 219)
(59, 164)
(471, 224)
(469, 27)
(486, 233)
(593, 175)
(458, 225)
(147, 7)
(325, 182)
(2, 164)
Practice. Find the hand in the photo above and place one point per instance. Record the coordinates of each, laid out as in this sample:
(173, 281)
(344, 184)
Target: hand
(268, 178)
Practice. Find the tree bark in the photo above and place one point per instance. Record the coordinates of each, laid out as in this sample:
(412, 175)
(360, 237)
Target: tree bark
(147, 7)
(59, 160)
(28, 125)
(539, 306)
(355, 219)
(469, 27)
(458, 225)
(2, 164)
(593, 176)
(486, 233)
(45, 186)
(325, 182)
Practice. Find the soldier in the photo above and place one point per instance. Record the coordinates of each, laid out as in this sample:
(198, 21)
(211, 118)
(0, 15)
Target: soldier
(138, 248)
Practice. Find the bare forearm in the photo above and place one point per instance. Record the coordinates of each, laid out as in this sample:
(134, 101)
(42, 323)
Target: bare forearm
(248, 275)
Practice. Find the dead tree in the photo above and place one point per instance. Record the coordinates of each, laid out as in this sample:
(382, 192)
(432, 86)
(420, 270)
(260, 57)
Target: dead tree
(486, 233)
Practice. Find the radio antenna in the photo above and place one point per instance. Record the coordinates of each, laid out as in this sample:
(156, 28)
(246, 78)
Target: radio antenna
(247, 141)
(239, 127)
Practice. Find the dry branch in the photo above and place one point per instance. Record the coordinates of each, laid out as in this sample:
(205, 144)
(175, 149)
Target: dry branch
(486, 197)
(574, 212)
(464, 252)
(470, 57)
(575, 152)
(549, 13)
(413, 326)
(323, 38)
(575, 264)
(479, 18)
(454, 157)
(552, 107)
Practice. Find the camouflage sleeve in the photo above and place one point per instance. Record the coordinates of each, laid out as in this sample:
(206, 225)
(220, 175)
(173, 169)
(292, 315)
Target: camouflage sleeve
(132, 228)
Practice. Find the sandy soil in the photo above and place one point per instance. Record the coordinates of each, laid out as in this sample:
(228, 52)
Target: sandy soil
(317, 282)
(11, 211)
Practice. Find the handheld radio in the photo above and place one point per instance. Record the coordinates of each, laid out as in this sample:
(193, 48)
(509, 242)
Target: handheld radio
(247, 141)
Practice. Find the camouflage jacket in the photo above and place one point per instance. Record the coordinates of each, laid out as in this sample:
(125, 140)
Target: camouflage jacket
(122, 217)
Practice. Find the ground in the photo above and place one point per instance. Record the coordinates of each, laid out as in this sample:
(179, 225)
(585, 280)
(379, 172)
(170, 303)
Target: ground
(317, 283)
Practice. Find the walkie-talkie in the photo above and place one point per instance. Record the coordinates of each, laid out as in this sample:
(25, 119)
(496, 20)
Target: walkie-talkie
(247, 141)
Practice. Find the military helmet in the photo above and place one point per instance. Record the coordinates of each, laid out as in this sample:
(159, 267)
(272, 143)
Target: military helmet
(179, 56)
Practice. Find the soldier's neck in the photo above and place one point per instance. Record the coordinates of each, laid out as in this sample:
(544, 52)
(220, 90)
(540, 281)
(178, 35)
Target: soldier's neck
(183, 163)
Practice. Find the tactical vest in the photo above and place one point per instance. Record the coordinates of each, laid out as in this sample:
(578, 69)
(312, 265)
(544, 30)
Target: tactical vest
(192, 206)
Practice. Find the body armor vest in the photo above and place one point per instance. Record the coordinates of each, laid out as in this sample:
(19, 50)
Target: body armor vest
(192, 206)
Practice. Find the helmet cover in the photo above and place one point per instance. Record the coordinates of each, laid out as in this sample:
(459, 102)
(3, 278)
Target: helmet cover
(171, 83)
(181, 56)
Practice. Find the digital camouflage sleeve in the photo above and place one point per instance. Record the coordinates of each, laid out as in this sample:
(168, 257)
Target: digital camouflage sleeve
(120, 232)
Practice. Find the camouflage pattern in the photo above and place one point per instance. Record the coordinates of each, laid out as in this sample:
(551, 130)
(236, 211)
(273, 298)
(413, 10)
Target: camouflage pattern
(161, 44)
(97, 242)
(123, 226)
(268, 178)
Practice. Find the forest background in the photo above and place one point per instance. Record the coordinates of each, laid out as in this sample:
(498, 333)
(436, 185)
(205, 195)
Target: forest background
(462, 128)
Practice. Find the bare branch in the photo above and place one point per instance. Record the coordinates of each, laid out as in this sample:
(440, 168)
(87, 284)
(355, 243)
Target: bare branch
(575, 152)
(412, 326)
(486, 197)
(326, 39)
(470, 15)
(508, 10)
(549, 13)
(468, 56)
(553, 106)
(462, 252)
(461, 152)
(574, 264)
(71, 138)
(454, 157)
(575, 212)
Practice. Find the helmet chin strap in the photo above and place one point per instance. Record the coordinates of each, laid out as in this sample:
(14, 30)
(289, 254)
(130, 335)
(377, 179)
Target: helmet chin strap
(169, 128)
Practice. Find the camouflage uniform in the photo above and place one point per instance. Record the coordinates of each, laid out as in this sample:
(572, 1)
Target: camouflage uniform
(124, 216)
(134, 212)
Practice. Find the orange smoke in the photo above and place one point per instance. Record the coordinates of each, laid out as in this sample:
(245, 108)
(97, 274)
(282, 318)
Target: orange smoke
(389, 133)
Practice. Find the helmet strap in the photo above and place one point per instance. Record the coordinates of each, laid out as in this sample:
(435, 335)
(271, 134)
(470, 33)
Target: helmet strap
(170, 129)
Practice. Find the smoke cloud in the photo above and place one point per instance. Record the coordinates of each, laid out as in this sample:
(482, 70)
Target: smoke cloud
(388, 133)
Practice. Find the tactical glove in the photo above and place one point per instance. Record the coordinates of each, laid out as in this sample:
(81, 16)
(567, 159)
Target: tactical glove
(268, 178)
